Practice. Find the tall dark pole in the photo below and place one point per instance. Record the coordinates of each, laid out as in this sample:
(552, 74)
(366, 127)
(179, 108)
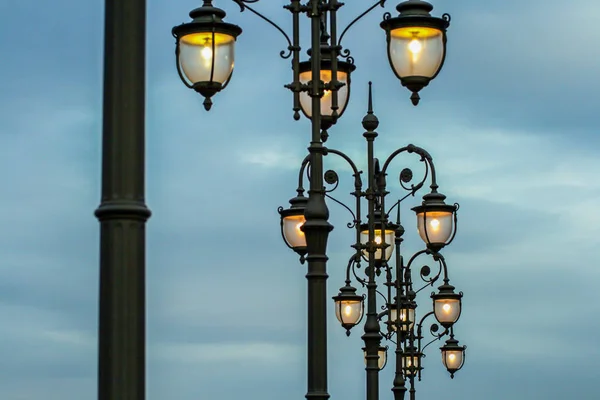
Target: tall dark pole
(371, 337)
(316, 229)
(122, 212)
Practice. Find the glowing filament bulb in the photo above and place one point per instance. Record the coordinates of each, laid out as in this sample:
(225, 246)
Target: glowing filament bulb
(452, 357)
(415, 46)
(206, 53)
(447, 307)
(378, 239)
(435, 224)
(348, 310)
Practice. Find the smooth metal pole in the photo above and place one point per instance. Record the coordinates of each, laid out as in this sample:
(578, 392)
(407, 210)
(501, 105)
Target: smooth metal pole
(122, 212)
(371, 337)
(316, 229)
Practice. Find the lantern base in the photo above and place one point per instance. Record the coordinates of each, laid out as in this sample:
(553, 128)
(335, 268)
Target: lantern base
(208, 90)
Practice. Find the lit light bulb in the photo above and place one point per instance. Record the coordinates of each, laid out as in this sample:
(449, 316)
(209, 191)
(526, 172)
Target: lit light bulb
(447, 307)
(452, 357)
(326, 93)
(435, 224)
(378, 239)
(206, 52)
(298, 226)
(415, 46)
(348, 310)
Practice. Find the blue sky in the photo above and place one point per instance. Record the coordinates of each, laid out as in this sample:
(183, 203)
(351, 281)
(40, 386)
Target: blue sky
(512, 122)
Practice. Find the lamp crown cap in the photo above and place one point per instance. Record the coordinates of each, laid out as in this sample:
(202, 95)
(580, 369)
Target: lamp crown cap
(434, 198)
(207, 11)
(414, 7)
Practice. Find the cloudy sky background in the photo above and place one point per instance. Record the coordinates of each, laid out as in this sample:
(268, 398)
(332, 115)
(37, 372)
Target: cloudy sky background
(513, 123)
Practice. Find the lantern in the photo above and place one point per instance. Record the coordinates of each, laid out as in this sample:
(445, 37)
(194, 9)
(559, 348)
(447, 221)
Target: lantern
(416, 44)
(453, 355)
(348, 307)
(205, 51)
(447, 305)
(292, 220)
(436, 221)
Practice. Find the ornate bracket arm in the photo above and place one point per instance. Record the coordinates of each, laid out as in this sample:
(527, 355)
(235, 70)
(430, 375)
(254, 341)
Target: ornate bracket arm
(433, 330)
(380, 3)
(425, 272)
(243, 4)
(425, 157)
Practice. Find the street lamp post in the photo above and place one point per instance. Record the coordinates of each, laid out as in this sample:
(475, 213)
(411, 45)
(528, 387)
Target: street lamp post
(376, 240)
(416, 43)
(122, 212)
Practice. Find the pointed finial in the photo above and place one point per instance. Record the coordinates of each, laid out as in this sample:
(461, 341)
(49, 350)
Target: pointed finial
(370, 121)
(207, 103)
(415, 98)
(370, 111)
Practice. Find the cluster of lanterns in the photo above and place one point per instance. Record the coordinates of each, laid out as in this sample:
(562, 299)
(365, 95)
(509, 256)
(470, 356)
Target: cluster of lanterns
(436, 224)
(416, 47)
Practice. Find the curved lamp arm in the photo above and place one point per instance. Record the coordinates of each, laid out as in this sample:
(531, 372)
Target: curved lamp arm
(243, 4)
(425, 156)
(432, 330)
(380, 3)
(425, 271)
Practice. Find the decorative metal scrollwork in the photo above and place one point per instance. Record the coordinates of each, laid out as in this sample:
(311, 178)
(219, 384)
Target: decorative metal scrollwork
(332, 178)
(243, 4)
(345, 54)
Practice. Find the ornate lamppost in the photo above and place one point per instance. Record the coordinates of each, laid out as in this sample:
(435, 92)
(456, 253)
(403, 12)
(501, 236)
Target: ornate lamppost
(376, 239)
(416, 43)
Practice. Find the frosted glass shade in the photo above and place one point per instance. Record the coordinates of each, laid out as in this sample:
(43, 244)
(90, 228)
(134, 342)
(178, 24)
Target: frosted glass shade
(207, 57)
(349, 312)
(411, 363)
(447, 311)
(407, 318)
(435, 227)
(389, 240)
(382, 353)
(306, 100)
(292, 232)
(453, 359)
(416, 51)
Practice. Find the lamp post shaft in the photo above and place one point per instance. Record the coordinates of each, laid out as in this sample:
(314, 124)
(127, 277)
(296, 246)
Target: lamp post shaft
(316, 229)
(122, 213)
(372, 337)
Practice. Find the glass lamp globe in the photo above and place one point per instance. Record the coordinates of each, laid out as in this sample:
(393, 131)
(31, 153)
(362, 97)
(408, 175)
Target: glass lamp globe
(436, 221)
(453, 355)
(349, 307)
(292, 220)
(406, 317)
(447, 305)
(411, 361)
(384, 234)
(344, 70)
(205, 51)
(382, 353)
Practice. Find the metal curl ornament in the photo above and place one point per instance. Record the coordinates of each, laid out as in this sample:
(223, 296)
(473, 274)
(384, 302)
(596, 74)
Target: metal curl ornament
(243, 4)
